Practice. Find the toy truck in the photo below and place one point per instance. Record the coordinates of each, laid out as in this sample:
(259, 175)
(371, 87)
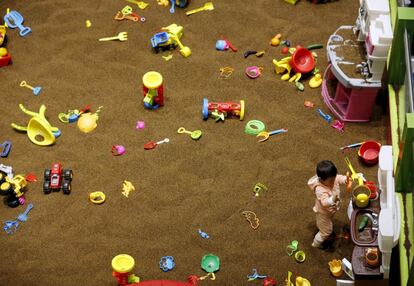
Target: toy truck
(169, 39)
(162, 42)
(12, 186)
(57, 179)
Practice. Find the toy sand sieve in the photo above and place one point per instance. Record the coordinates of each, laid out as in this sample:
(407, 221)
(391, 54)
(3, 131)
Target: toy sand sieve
(152, 79)
(153, 90)
(123, 263)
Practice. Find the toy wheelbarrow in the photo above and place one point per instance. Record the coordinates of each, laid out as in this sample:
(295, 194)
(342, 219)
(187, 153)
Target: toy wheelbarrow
(265, 135)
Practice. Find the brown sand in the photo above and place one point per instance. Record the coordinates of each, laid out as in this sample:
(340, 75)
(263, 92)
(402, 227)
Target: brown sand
(183, 185)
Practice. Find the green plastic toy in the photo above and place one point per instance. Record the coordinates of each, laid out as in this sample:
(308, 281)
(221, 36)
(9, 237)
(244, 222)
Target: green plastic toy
(362, 223)
(210, 263)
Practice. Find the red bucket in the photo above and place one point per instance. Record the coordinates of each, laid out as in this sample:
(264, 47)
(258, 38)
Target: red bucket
(373, 188)
(302, 61)
(369, 151)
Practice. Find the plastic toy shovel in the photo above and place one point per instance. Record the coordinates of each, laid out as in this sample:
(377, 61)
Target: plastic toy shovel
(207, 7)
(23, 216)
(264, 135)
(195, 135)
(36, 90)
(172, 9)
(14, 19)
(151, 145)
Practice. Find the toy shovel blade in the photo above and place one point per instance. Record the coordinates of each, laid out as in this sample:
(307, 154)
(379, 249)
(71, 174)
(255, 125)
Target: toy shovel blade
(37, 90)
(31, 177)
(150, 145)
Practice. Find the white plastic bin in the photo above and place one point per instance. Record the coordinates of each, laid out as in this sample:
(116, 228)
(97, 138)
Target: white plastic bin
(376, 64)
(377, 7)
(379, 38)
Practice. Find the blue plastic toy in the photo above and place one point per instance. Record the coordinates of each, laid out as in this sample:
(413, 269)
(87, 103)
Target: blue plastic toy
(11, 226)
(255, 275)
(36, 89)
(14, 19)
(222, 45)
(167, 263)
(172, 9)
(327, 117)
(203, 234)
(23, 216)
(6, 146)
(159, 41)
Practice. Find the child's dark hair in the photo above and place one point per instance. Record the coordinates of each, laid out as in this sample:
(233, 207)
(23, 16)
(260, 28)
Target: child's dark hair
(326, 169)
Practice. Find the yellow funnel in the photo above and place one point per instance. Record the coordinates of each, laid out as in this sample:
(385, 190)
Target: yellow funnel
(39, 132)
(38, 129)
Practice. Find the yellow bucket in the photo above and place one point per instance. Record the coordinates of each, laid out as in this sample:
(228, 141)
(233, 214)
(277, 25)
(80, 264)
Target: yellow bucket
(335, 266)
(360, 195)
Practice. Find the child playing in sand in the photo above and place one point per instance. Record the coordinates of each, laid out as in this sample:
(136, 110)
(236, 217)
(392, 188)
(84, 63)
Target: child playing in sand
(325, 184)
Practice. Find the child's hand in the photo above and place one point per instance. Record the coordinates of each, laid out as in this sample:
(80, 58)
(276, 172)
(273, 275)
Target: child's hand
(348, 182)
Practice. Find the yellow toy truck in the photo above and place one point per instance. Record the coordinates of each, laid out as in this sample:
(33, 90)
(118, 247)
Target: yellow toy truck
(13, 188)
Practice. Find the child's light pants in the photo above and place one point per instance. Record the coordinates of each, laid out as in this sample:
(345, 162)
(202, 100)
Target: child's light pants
(325, 226)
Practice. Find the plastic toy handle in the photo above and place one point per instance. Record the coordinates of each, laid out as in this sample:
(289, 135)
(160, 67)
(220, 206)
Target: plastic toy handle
(108, 39)
(19, 127)
(28, 112)
(29, 207)
(349, 165)
(233, 48)
(24, 31)
(283, 130)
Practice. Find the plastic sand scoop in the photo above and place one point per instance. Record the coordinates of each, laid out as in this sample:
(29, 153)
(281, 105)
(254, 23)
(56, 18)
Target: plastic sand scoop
(206, 7)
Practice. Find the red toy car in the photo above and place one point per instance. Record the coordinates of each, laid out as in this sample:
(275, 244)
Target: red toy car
(57, 178)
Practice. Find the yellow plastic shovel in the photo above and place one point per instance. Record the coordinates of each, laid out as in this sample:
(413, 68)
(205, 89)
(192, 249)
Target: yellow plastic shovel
(207, 7)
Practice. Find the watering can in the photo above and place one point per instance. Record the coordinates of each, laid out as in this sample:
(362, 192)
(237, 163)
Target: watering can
(39, 130)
